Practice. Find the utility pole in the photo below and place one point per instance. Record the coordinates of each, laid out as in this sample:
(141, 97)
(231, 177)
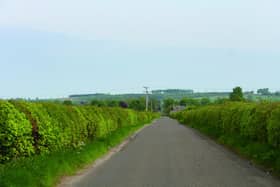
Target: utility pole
(151, 105)
(147, 97)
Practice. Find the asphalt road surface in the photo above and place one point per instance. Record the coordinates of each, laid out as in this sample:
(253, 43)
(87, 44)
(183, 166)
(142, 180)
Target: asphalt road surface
(167, 154)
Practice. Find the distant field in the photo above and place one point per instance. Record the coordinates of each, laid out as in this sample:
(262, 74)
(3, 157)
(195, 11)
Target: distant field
(173, 94)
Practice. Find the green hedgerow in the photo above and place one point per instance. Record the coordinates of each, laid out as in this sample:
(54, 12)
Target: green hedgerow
(15, 133)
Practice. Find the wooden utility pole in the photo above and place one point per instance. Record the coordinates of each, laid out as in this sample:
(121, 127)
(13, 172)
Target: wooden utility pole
(147, 97)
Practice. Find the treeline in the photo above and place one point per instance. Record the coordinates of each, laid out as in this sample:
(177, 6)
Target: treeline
(170, 104)
(28, 128)
(252, 128)
(236, 95)
(267, 92)
(138, 104)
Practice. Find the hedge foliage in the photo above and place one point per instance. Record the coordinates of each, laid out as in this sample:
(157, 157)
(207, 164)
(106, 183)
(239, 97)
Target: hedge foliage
(259, 122)
(15, 133)
(28, 128)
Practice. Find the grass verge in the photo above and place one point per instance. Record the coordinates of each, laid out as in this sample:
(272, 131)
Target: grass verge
(261, 155)
(46, 170)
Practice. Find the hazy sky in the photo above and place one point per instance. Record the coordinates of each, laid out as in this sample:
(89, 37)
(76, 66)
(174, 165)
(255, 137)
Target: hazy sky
(56, 48)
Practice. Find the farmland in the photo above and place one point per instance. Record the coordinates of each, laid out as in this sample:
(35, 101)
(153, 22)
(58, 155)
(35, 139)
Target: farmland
(175, 94)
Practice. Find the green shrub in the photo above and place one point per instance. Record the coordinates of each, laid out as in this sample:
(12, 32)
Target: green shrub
(256, 127)
(45, 132)
(59, 115)
(32, 127)
(255, 121)
(251, 129)
(92, 120)
(274, 128)
(15, 133)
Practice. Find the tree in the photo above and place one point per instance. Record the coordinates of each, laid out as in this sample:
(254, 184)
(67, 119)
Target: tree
(97, 103)
(189, 102)
(155, 104)
(263, 91)
(237, 94)
(123, 104)
(168, 105)
(137, 104)
(112, 103)
(205, 101)
(221, 101)
(67, 102)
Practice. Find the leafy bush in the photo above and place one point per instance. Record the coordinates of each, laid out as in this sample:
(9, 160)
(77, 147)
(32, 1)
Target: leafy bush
(45, 132)
(274, 128)
(251, 129)
(27, 127)
(255, 121)
(15, 133)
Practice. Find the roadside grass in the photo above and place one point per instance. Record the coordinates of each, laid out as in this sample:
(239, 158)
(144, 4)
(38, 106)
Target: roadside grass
(261, 155)
(47, 170)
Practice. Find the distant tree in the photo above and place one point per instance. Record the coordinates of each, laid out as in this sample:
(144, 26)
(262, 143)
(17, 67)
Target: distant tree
(155, 104)
(94, 102)
(137, 104)
(237, 94)
(184, 101)
(67, 102)
(249, 92)
(250, 98)
(168, 105)
(97, 103)
(263, 91)
(189, 102)
(112, 103)
(102, 103)
(205, 101)
(123, 104)
(221, 100)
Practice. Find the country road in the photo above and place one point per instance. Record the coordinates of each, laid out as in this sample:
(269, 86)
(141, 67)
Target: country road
(167, 154)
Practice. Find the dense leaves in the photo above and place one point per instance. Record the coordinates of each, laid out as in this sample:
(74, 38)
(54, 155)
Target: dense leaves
(251, 129)
(274, 128)
(256, 121)
(15, 133)
(237, 94)
(27, 128)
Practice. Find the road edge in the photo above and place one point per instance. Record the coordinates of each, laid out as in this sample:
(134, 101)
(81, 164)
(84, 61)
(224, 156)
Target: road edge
(229, 149)
(67, 181)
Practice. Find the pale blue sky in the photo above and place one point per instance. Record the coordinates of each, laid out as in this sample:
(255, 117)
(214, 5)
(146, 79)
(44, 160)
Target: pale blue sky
(56, 48)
